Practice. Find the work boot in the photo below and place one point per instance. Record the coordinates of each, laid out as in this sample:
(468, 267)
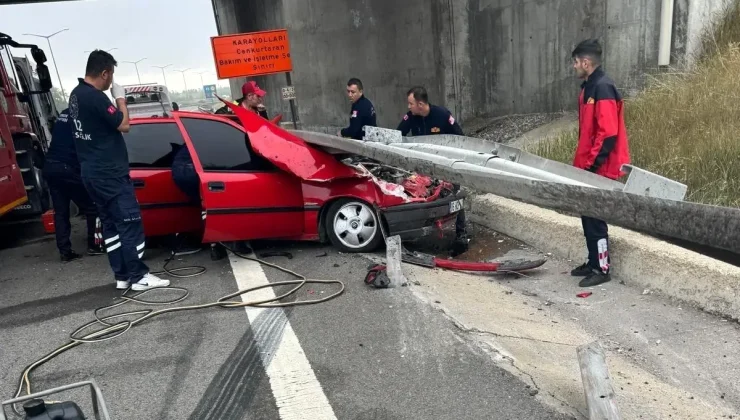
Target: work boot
(581, 271)
(149, 281)
(95, 250)
(218, 252)
(595, 278)
(70, 256)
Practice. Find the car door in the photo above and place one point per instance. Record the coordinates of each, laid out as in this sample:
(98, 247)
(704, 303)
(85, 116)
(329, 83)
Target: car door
(165, 209)
(245, 197)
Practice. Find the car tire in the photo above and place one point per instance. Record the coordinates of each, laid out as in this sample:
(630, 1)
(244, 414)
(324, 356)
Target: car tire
(353, 226)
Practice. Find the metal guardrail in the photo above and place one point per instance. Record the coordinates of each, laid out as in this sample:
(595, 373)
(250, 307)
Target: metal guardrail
(633, 207)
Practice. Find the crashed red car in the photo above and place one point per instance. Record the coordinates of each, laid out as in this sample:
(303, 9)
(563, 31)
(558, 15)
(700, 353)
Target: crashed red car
(259, 181)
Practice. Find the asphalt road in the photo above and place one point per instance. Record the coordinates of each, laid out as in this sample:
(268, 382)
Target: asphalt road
(368, 354)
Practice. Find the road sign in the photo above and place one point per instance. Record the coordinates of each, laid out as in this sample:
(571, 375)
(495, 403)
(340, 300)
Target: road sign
(209, 90)
(252, 54)
(288, 93)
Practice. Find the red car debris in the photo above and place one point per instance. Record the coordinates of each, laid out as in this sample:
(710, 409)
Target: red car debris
(260, 181)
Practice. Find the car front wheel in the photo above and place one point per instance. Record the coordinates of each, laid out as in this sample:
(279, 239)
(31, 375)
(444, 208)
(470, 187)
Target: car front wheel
(353, 226)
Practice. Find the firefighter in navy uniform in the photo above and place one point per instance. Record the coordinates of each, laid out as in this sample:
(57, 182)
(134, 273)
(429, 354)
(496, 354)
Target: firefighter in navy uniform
(62, 174)
(424, 119)
(362, 112)
(602, 149)
(98, 127)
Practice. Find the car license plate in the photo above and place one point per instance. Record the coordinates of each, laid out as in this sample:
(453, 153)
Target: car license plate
(456, 205)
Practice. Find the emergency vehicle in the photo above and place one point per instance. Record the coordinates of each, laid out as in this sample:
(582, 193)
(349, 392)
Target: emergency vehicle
(26, 116)
(148, 100)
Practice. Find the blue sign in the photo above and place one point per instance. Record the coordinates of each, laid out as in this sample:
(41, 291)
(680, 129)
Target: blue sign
(209, 90)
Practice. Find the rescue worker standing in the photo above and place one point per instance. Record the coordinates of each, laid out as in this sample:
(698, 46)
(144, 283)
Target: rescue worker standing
(362, 112)
(98, 126)
(62, 174)
(251, 100)
(424, 119)
(602, 149)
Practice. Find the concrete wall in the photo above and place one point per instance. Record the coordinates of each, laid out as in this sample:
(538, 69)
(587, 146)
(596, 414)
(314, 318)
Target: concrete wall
(477, 57)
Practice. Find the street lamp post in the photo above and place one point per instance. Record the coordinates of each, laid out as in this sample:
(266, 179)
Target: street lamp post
(200, 73)
(163, 75)
(64, 95)
(136, 64)
(183, 81)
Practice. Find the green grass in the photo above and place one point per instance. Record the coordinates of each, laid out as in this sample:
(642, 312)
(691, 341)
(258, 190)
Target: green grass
(686, 126)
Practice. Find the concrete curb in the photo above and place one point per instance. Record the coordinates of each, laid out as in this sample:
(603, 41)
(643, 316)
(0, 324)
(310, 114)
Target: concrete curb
(637, 259)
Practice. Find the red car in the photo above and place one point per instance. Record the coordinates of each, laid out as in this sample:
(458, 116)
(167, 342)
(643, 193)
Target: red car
(259, 181)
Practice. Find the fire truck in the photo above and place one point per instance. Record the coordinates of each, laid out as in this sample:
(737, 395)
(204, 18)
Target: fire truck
(27, 112)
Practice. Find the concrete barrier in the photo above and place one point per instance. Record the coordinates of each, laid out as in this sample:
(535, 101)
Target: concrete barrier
(637, 259)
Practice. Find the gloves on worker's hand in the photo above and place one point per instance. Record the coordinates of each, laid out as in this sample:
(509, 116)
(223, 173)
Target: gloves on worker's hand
(117, 91)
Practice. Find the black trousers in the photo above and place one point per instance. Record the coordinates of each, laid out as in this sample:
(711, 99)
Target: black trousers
(123, 231)
(597, 242)
(65, 185)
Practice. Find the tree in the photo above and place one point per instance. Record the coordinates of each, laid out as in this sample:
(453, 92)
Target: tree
(59, 100)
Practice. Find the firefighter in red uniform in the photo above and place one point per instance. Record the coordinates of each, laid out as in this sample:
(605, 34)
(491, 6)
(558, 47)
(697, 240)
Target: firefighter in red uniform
(602, 149)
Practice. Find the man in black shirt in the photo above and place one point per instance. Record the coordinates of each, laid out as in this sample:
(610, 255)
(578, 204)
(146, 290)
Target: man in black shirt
(62, 174)
(362, 112)
(98, 128)
(424, 119)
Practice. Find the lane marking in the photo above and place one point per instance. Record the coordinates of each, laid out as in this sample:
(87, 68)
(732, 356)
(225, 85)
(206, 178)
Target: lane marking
(298, 394)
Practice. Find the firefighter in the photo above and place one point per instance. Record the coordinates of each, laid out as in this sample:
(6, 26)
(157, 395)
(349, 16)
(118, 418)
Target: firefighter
(251, 100)
(98, 128)
(424, 118)
(62, 174)
(362, 112)
(602, 149)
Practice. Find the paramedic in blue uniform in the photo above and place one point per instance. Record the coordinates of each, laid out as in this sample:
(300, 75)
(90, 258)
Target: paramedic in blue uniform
(425, 119)
(62, 174)
(98, 131)
(362, 112)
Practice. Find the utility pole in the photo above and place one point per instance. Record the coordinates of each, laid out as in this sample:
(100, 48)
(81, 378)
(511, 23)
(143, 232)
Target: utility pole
(183, 80)
(200, 73)
(165, 77)
(64, 95)
(136, 64)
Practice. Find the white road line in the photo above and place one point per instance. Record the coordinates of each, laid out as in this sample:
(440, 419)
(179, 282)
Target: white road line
(298, 394)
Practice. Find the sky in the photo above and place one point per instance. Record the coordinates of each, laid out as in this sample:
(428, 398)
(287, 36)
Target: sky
(164, 32)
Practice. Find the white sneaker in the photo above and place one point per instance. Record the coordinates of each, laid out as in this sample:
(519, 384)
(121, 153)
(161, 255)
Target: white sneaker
(122, 284)
(149, 281)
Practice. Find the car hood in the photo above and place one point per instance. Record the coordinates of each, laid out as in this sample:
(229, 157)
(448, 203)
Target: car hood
(288, 151)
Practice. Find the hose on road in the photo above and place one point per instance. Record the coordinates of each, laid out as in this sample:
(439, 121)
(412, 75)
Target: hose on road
(113, 329)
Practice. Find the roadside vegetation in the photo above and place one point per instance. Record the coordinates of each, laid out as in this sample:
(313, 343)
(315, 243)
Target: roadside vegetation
(686, 125)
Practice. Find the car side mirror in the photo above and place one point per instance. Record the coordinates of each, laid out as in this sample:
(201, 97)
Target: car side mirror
(175, 106)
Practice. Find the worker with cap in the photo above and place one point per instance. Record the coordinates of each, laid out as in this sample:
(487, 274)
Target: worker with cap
(602, 149)
(362, 112)
(425, 119)
(251, 100)
(98, 131)
(62, 174)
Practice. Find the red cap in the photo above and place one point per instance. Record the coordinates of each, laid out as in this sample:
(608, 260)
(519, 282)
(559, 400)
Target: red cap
(251, 87)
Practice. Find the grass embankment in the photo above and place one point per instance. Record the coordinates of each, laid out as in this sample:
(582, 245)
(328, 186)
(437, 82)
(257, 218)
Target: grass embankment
(686, 125)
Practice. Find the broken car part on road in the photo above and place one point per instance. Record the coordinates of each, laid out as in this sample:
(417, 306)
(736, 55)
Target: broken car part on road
(641, 206)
